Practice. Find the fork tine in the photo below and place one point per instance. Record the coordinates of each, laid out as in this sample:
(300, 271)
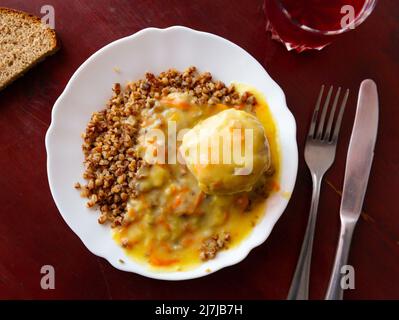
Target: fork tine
(331, 118)
(323, 114)
(315, 113)
(339, 119)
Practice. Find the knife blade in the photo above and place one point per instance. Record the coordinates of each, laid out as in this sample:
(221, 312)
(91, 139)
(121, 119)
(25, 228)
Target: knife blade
(360, 151)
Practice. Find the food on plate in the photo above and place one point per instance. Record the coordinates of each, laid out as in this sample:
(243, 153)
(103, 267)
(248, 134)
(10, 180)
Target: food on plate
(24, 41)
(209, 153)
(162, 210)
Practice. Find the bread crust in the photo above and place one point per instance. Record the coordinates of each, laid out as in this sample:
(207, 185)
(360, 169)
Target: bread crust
(35, 20)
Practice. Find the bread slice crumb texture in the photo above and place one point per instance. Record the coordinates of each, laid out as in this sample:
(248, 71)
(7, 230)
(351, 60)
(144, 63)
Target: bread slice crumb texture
(24, 41)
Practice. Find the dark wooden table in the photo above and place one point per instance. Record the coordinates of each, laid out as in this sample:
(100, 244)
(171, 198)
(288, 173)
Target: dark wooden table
(33, 234)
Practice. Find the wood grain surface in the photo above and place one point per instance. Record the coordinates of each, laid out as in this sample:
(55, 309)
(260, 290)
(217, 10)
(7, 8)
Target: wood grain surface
(33, 234)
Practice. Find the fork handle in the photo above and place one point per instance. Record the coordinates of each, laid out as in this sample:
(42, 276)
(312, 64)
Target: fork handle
(299, 289)
(334, 291)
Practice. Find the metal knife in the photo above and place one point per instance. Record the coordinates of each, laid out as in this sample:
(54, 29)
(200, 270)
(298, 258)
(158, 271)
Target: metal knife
(358, 166)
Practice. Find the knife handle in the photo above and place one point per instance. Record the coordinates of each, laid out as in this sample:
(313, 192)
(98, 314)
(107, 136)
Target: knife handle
(335, 291)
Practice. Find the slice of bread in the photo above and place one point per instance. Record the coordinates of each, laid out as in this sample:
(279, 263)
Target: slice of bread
(24, 41)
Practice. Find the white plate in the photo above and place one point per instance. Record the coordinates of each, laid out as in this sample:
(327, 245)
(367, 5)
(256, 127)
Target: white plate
(156, 50)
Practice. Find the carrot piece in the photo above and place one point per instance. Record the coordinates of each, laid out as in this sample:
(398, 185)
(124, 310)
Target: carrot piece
(198, 201)
(187, 241)
(243, 201)
(177, 202)
(147, 121)
(156, 260)
(166, 225)
(276, 186)
(162, 221)
(183, 105)
(173, 189)
(184, 189)
(226, 215)
(166, 246)
(162, 262)
(239, 107)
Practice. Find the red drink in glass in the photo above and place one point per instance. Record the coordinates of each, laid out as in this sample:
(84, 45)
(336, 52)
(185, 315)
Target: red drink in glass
(313, 24)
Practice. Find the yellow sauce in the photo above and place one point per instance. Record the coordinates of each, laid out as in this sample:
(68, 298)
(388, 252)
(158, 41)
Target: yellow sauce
(166, 224)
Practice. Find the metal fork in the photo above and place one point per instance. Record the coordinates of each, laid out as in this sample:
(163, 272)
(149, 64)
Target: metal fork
(320, 147)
